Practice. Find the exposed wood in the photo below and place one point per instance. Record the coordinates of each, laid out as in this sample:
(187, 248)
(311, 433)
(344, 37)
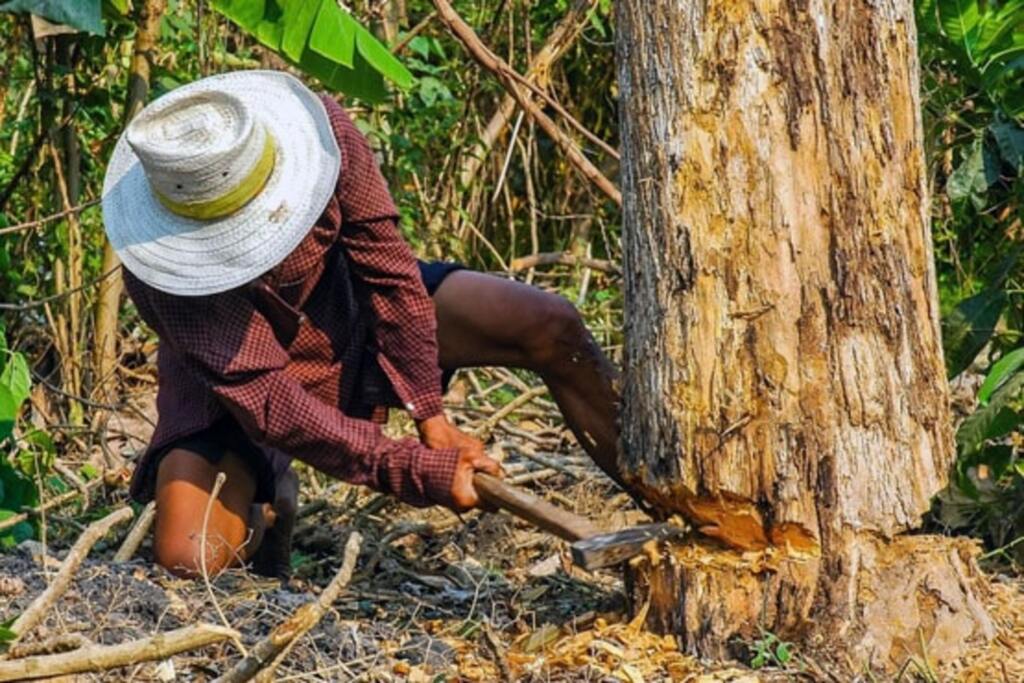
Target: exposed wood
(35, 612)
(108, 302)
(534, 510)
(264, 655)
(104, 657)
(785, 387)
(513, 85)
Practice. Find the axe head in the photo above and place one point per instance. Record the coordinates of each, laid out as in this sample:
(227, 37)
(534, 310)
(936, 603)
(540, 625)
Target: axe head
(618, 546)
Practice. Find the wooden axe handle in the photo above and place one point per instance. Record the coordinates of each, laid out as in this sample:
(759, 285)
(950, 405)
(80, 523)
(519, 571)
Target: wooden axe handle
(534, 510)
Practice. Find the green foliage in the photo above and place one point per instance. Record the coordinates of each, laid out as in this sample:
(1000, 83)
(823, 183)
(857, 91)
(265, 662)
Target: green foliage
(323, 40)
(770, 650)
(986, 40)
(84, 15)
(973, 58)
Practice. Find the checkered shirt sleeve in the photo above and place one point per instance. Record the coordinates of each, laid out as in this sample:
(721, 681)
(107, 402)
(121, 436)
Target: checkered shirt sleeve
(404, 324)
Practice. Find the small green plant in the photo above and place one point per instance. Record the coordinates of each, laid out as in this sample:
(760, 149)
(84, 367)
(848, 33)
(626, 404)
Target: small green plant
(770, 650)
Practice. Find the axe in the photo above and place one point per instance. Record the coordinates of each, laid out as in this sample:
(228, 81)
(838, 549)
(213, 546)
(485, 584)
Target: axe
(591, 548)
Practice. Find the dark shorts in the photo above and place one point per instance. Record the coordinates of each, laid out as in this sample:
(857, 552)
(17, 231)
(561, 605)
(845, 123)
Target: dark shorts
(226, 436)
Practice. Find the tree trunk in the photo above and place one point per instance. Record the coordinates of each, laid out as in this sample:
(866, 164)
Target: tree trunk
(108, 303)
(785, 389)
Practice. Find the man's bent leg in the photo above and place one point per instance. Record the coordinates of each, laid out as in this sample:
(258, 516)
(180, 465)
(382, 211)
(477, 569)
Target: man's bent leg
(485, 320)
(184, 483)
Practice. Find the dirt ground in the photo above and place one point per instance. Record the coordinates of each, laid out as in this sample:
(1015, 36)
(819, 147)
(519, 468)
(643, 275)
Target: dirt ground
(435, 596)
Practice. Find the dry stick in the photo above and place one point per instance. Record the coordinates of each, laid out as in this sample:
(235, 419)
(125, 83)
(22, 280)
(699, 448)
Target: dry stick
(138, 532)
(56, 501)
(49, 219)
(265, 653)
(217, 485)
(562, 258)
(104, 657)
(558, 42)
(503, 72)
(413, 32)
(39, 607)
(510, 407)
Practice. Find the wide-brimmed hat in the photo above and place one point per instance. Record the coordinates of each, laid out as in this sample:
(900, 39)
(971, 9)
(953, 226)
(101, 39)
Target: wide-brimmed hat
(216, 182)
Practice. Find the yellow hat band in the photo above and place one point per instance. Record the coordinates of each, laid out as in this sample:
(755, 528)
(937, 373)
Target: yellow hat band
(234, 199)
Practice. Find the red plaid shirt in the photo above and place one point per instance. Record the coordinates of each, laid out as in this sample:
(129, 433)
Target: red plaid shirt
(301, 357)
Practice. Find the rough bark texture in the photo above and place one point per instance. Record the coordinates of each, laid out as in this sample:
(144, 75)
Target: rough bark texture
(785, 387)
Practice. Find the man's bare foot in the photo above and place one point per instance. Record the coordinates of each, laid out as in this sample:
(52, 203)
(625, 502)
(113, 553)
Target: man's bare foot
(273, 556)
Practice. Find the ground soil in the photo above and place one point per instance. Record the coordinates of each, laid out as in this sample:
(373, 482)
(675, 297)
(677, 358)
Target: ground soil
(435, 597)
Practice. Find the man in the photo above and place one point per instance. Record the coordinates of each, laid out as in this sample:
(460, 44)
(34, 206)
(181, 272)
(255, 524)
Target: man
(260, 242)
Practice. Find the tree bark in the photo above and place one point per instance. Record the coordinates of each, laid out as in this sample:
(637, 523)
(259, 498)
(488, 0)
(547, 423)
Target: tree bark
(785, 389)
(108, 303)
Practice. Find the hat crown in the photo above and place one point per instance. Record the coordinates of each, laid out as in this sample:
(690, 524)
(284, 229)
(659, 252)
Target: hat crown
(197, 148)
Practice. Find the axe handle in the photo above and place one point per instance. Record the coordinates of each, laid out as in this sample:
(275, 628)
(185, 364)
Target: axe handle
(534, 510)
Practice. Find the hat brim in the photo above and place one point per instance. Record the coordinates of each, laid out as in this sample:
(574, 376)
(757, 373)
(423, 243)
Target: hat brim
(189, 257)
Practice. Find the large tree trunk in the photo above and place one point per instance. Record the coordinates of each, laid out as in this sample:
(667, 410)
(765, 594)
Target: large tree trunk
(785, 388)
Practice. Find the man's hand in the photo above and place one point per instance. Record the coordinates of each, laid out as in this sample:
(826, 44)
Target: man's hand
(471, 461)
(437, 432)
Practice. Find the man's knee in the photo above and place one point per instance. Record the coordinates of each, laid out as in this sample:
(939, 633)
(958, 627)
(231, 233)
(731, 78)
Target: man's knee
(556, 336)
(180, 552)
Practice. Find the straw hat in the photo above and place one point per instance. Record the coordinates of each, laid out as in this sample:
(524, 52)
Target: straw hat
(216, 182)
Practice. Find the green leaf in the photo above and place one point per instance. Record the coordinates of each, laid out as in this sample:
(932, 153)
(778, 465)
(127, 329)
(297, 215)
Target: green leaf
(997, 376)
(969, 326)
(17, 378)
(322, 40)
(959, 20)
(381, 59)
(1010, 140)
(8, 412)
(245, 13)
(974, 175)
(84, 15)
(782, 653)
(334, 34)
(297, 17)
(7, 635)
(992, 419)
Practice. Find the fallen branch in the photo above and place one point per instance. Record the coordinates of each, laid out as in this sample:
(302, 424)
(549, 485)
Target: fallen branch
(485, 429)
(561, 258)
(264, 655)
(54, 502)
(42, 604)
(134, 538)
(504, 73)
(104, 657)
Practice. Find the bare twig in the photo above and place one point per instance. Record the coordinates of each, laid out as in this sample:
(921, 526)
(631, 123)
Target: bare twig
(134, 538)
(218, 484)
(504, 73)
(561, 258)
(497, 653)
(49, 219)
(484, 430)
(265, 654)
(103, 657)
(41, 605)
(560, 39)
(56, 501)
(413, 32)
